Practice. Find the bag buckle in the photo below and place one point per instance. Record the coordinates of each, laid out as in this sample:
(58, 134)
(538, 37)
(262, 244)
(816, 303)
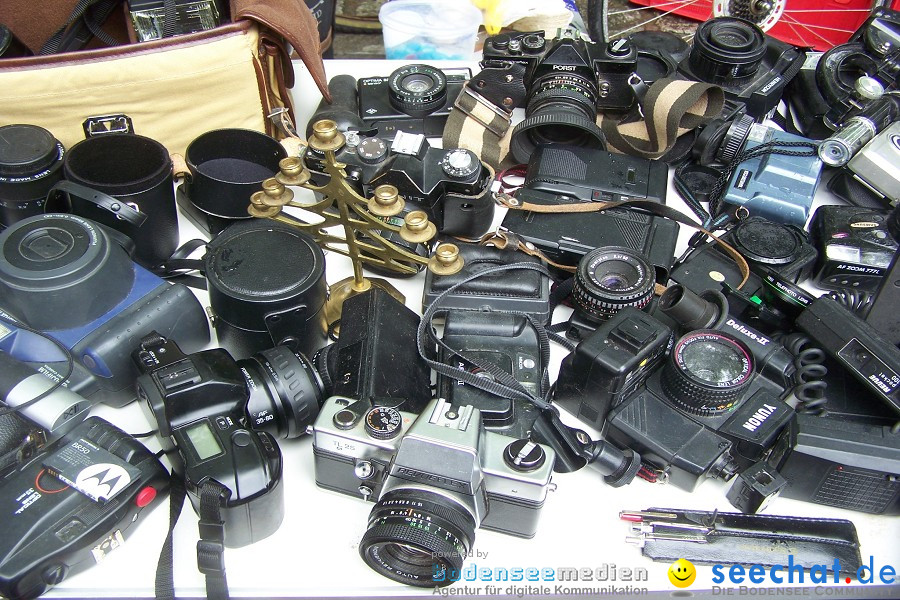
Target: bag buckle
(107, 124)
(489, 115)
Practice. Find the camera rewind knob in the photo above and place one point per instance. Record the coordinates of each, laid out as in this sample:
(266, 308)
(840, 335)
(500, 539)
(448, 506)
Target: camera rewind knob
(524, 455)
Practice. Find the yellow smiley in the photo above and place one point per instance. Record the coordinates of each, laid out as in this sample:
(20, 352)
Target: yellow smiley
(682, 573)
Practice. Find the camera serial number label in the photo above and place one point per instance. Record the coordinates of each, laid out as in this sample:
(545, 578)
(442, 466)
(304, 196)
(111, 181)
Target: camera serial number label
(870, 366)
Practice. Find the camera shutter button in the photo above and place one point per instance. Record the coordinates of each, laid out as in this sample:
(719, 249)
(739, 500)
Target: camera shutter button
(524, 455)
(344, 419)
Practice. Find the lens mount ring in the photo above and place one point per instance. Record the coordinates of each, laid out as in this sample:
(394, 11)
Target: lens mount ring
(734, 138)
(415, 535)
(707, 372)
(611, 278)
(417, 90)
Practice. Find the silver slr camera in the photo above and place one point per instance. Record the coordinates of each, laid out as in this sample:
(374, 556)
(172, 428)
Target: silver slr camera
(434, 478)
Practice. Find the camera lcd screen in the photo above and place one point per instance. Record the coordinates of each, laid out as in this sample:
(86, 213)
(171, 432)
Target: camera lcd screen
(203, 440)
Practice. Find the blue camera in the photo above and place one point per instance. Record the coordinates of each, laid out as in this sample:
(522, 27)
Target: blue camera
(69, 292)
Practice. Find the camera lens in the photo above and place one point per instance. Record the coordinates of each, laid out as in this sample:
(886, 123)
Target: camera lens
(285, 391)
(706, 372)
(610, 279)
(417, 537)
(727, 49)
(417, 90)
(30, 164)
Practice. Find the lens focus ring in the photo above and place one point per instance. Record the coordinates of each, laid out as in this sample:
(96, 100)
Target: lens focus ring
(610, 279)
(707, 372)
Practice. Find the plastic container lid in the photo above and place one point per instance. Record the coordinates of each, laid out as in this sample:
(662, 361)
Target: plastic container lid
(439, 20)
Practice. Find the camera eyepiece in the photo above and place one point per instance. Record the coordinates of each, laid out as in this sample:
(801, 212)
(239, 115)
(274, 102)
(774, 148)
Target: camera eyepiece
(707, 372)
(610, 279)
(414, 536)
(727, 49)
(417, 90)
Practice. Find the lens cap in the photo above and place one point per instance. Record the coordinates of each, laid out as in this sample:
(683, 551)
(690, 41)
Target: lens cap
(60, 271)
(766, 242)
(27, 150)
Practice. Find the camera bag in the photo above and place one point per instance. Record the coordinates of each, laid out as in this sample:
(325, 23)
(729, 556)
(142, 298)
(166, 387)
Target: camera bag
(173, 89)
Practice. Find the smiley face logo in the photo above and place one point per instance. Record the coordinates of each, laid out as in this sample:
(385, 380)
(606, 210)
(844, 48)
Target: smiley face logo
(682, 573)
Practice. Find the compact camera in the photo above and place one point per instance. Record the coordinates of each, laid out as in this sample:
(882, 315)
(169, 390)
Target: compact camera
(751, 67)
(221, 415)
(65, 276)
(871, 178)
(855, 247)
(434, 479)
(561, 83)
(506, 341)
(452, 186)
(413, 99)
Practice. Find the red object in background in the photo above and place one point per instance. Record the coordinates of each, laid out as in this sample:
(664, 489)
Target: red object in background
(819, 24)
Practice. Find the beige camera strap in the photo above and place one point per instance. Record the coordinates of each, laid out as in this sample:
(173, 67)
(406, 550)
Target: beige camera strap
(670, 107)
(504, 238)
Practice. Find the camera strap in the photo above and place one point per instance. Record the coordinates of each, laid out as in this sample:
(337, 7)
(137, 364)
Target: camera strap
(670, 108)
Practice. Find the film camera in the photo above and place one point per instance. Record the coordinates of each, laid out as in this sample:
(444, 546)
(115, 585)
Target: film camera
(751, 67)
(855, 247)
(434, 479)
(451, 186)
(561, 83)
(69, 291)
(221, 415)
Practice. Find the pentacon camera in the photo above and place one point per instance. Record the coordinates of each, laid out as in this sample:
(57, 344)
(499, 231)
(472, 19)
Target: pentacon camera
(67, 277)
(434, 479)
(561, 83)
(751, 67)
(413, 99)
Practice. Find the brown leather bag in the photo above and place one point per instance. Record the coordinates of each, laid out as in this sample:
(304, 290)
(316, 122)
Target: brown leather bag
(173, 89)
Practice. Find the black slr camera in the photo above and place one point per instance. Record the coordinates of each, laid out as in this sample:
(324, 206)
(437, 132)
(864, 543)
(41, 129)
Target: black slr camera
(561, 83)
(751, 67)
(452, 186)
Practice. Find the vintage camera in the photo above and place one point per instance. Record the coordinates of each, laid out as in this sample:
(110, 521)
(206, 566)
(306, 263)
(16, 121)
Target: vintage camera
(751, 67)
(709, 411)
(221, 415)
(65, 276)
(452, 186)
(72, 504)
(151, 21)
(855, 247)
(506, 341)
(871, 179)
(375, 359)
(434, 479)
(561, 83)
(413, 99)
(559, 174)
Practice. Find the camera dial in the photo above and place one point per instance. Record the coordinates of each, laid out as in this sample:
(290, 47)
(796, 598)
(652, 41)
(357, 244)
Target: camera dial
(609, 279)
(383, 422)
(460, 164)
(707, 372)
(372, 150)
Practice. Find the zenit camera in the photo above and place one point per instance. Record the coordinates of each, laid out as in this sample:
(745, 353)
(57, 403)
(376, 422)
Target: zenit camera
(560, 82)
(434, 479)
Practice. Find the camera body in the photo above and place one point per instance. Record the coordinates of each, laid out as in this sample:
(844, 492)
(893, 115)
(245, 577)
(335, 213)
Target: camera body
(692, 430)
(871, 178)
(855, 247)
(446, 449)
(65, 276)
(199, 403)
(452, 186)
(506, 341)
(413, 99)
(752, 68)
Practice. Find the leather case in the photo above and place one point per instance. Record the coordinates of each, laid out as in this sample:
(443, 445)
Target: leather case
(522, 291)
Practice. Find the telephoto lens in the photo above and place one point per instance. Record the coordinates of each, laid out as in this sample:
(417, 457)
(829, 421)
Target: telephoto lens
(609, 279)
(707, 372)
(30, 164)
(727, 50)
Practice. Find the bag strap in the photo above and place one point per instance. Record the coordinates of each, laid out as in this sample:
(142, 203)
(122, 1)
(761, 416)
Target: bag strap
(83, 24)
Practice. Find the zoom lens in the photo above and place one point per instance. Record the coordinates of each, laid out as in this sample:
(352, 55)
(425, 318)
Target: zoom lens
(610, 279)
(417, 90)
(727, 49)
(417, 537)
(562, 108)
(285, 391)
(707, 372)
(30, 164)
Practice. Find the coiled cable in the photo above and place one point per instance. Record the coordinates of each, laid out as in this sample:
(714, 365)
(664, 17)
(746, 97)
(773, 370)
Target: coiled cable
(809, 361)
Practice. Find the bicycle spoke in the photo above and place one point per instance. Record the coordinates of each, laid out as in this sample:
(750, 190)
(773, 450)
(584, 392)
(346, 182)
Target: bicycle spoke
(656, 18)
